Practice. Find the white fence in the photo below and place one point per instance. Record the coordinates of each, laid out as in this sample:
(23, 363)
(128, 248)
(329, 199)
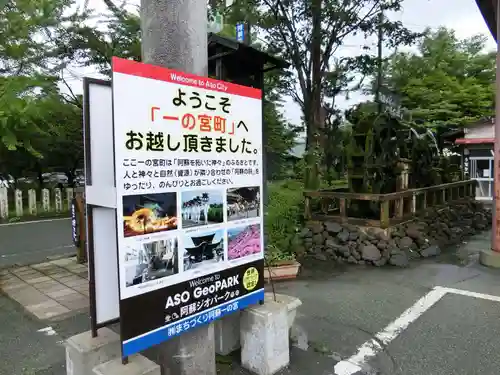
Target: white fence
(14, 204)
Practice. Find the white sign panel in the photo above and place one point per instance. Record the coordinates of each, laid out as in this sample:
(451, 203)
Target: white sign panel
(188, 169)
(99, 165)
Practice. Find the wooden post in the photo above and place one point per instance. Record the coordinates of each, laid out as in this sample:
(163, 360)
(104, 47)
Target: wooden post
(4, 203)
(400, 208)
(384, 214)
(424, 201)
(307, 208)
(343, 210)
(19, 202)
(32, 208)
(414, 204)
(324, 205)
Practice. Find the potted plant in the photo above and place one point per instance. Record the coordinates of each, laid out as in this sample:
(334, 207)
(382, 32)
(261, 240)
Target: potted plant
(280, 265)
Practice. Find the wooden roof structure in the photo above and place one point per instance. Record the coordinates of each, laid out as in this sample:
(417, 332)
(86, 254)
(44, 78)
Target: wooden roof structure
(488, 10)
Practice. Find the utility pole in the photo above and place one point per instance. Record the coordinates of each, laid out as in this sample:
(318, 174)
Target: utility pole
(174, 35)
(379, 60)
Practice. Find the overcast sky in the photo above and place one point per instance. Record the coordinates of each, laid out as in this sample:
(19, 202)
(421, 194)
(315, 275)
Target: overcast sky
(461, 15)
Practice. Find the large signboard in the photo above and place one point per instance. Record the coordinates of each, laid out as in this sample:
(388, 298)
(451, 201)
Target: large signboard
(188, 169)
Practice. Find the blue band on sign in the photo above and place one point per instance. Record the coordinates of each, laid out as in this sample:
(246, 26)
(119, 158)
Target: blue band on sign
(168, 331)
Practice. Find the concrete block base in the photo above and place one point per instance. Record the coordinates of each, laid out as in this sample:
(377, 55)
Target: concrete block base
(192, 353)
(264, 338)
(84, 352)
(227, 334)
(490, 258)
(137, 365)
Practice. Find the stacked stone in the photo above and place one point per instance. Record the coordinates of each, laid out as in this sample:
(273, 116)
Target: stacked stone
(421, 238)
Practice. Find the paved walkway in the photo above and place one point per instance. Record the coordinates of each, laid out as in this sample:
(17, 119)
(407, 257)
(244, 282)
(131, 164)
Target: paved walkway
(49, 290)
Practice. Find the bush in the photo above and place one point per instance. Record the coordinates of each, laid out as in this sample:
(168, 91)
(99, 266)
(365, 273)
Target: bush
(283, 218)
(215, 213)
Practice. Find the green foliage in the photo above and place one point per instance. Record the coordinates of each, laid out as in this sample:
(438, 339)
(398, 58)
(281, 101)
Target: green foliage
(448, 83)
(282, 219)
(29, 55)
(216, 213)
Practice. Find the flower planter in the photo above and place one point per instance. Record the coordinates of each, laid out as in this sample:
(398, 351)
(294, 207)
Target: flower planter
(282, 271)
(292, 304)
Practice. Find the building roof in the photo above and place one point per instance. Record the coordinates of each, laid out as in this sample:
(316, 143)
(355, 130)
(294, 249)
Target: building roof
(487, 8)
(474, 141)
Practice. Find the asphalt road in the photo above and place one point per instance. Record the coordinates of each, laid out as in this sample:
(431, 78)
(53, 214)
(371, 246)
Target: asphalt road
(32, 242)
(342, 308)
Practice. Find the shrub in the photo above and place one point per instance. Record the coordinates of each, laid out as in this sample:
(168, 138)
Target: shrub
(282, 219)
(215, 213)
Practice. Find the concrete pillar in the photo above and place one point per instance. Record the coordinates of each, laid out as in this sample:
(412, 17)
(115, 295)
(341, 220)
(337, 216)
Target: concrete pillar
(84, 352)
(4, 203)
(18, 195)
(46, 200)
(32, 202)
(264, 338)
(137, 365)
(227, 334)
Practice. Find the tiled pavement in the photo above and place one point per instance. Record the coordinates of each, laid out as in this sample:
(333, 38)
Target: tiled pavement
(51, 290)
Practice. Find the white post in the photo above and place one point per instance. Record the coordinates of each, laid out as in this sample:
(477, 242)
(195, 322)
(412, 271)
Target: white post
(45, 200)
(58, 199)
(4, 203)
(19, 203)
(32, 202)
(69, 197)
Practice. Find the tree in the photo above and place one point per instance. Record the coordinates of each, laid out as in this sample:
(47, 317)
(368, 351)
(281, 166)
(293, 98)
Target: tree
(59, 148)
(308, 34)
(121, 37)
(29, 63)
(448, 83)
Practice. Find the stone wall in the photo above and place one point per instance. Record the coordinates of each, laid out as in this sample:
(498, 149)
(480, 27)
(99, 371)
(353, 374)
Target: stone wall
(421, 238)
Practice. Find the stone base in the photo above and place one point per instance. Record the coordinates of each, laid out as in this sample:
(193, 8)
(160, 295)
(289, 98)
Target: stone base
(192, 353)
(264, 338)
(84, 352)
(490, 258)
(137, 365)
(227, 334)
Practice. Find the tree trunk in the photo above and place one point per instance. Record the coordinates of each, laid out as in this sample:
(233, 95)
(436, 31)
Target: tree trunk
(314, 110)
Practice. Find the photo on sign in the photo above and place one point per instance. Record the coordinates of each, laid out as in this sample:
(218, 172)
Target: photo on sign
(201, 208)
(203, 250)
(150, 261)
(149, 213)
(243, 241)
(243, 203)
